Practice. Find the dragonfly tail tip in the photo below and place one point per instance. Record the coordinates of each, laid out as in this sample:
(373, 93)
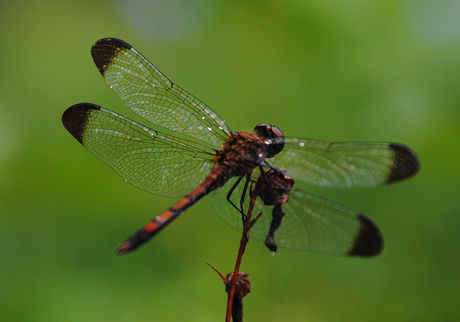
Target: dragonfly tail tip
(123, 249)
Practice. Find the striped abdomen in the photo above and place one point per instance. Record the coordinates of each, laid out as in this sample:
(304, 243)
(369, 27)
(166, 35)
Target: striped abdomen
(214, 180)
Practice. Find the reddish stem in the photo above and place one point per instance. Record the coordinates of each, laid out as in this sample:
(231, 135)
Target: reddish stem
(243, 242)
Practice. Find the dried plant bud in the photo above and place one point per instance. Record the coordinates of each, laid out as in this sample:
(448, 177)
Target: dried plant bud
(274, 189)
(278, 215)
(243, 286)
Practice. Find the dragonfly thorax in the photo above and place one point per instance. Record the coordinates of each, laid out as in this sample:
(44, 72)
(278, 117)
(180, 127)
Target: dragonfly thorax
(241, 153)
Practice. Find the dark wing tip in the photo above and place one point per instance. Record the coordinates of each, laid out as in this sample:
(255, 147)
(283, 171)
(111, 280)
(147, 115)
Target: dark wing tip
(369, 241)
(105, 49)
(405, 164)
(75, 118)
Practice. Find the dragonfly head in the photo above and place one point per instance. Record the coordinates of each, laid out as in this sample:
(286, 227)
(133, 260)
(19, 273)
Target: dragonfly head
(273, 136)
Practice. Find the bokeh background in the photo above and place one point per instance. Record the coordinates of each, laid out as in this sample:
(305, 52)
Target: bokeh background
(335, 70)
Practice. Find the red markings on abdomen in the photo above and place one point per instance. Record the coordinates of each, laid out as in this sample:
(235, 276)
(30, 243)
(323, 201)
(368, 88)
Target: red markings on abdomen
(214, 180)
(151, 226)
(181, 203)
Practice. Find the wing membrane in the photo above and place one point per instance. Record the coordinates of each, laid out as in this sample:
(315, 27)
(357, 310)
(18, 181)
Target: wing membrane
(320, 225)
(150, 94)
(148, 159)
(311, 223)
(346, 164)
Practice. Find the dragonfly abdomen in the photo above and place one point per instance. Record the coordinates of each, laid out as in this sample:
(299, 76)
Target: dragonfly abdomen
(214, 180)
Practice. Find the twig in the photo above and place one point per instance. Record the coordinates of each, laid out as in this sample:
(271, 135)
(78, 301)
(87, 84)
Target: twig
(243, 242)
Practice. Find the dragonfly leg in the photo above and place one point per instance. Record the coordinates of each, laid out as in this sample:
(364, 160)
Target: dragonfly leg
(230, 192)
(245, 189)
(262, 171)
(272, 167)
(243, 196)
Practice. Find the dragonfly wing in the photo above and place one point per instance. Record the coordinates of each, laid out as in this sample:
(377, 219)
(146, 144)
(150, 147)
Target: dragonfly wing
(346, 164)
(148, 159)
(316, 224)
(150, 94)
(311, 223)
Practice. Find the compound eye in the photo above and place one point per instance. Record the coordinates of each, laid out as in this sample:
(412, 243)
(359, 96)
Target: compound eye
(277, 133)
(277, 138)
(262, 130)
(274, 135)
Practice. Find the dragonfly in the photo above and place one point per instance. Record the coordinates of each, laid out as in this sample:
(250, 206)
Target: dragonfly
(188, 149)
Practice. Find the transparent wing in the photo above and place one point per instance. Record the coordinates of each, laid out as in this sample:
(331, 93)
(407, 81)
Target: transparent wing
(150, 94)
(311, 223)
(148, 159)
(347, 164)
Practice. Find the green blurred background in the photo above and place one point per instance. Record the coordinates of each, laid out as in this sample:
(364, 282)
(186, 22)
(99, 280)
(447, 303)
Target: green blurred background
(336, 70)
